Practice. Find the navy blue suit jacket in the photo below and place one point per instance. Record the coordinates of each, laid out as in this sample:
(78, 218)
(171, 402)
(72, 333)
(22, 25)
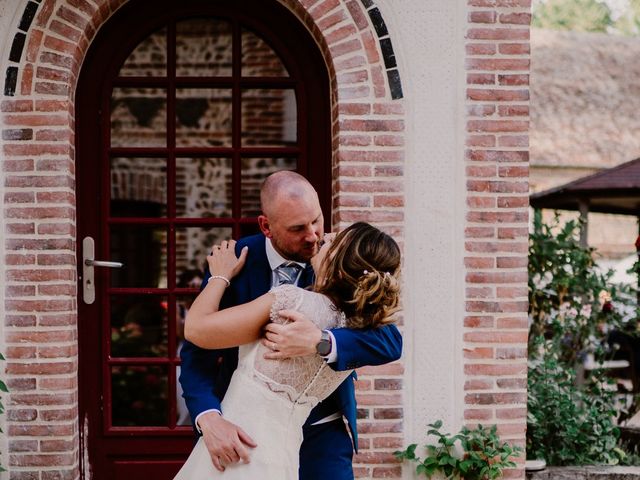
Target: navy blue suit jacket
(205, 374)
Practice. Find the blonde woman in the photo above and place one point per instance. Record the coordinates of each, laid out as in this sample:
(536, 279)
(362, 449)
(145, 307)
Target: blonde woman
(356, 287)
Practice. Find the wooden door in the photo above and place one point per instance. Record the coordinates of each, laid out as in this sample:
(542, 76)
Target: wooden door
(182, 109)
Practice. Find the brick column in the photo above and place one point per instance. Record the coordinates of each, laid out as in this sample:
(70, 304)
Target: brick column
(497, 170)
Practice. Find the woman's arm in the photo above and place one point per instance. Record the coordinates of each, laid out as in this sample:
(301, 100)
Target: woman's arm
(207, 327)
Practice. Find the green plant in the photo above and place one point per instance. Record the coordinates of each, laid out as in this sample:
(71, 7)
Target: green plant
(570, 299)
(567, 425)
(573, 307)
(483, 456)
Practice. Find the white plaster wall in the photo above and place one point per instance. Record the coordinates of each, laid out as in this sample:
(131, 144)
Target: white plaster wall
(10, 12)
(428, 40)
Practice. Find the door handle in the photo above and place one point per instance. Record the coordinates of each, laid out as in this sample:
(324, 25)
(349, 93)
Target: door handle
(88, 263)
(101, 263)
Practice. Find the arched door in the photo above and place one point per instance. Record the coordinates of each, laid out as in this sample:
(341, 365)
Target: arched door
(182, 109)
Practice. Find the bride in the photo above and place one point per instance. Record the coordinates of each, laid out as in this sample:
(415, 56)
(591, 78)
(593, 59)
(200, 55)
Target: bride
(356, 287)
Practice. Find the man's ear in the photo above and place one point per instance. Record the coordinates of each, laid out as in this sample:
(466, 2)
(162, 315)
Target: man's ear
(265, 227)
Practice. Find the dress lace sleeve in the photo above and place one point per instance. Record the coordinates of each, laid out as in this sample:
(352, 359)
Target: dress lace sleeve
(287, 297)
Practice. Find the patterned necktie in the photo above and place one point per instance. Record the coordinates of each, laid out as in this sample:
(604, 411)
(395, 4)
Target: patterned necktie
(287, 273)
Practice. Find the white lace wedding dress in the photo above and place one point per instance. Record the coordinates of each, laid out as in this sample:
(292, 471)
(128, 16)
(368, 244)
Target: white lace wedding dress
(271, 400)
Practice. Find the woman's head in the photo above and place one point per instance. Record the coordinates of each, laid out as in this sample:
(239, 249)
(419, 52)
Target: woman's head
(359, 272)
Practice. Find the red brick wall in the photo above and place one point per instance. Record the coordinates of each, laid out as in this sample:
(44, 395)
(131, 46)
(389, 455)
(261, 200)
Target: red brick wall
(368, 131)
(497, 169)
(40, 289)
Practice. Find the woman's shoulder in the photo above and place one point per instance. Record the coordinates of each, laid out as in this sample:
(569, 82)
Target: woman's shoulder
(292, 294)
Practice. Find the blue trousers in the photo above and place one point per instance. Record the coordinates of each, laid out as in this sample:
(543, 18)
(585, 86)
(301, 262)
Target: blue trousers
(326, 452)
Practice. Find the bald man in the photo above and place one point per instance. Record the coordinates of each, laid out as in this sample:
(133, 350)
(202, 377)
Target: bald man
(292, 227)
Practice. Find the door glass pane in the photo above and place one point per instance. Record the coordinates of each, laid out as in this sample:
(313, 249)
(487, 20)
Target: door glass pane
(203, 117)
(203, 48)
(193, 244)
(139, 395)
(269, 117)
(143, 250)
(203, 187)
(138, 117)
(149, 58)
(138, 187)
(258, 59)
(138, 326)
(253, 173)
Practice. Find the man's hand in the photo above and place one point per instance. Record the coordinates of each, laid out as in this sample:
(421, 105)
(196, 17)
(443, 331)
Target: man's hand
(295, 339)
(227, 443)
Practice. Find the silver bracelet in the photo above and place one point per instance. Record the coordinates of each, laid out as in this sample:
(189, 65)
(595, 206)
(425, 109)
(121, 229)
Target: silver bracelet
(221, 278)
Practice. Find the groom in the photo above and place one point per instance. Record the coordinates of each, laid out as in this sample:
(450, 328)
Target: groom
(292, 227)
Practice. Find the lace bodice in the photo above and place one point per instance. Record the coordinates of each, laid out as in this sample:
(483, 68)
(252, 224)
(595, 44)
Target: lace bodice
(302, 379)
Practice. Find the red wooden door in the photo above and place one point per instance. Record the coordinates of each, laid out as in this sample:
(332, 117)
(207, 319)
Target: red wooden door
(182, 109)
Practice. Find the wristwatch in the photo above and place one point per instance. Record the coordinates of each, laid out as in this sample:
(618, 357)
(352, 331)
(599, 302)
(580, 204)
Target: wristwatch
(323, 347)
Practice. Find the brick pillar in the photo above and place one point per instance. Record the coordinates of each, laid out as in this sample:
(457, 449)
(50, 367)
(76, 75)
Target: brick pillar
(496, 236)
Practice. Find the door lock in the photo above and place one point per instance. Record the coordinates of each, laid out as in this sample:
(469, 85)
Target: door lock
(88, 263)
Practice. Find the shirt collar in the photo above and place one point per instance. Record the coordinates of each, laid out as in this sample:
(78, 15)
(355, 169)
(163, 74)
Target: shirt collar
(274, 258)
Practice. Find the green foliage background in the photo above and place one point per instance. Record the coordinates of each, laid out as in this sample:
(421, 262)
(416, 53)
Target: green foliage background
(571, 420)
(586, 16)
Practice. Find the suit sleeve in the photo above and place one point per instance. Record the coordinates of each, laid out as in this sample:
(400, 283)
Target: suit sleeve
(197, 374)
(199, 369)
(375, 346)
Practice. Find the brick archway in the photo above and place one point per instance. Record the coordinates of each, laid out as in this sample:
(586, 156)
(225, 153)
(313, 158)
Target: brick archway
(50, 42)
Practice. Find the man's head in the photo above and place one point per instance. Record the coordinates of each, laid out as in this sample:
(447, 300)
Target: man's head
(291, 215)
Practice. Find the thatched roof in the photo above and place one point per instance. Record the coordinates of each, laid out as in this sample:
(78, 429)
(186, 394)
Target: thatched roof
(585, 99)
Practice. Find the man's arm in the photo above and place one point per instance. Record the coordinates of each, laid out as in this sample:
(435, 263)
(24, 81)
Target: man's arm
(354, 348)
(373, 346)
(198, 369)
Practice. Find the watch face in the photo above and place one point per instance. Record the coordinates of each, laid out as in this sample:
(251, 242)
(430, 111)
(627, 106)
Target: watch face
(323, 347)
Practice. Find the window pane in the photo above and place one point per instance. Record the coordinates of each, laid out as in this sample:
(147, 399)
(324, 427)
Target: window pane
(139, 395)
(138, 187)
(193, 244)
(203, 187)
(149, 58)
(254, 171)
(269, 117)
(138, 117)
(143, 250)
(203, 117)
(203, 48)
(138, 326)
(258, 59)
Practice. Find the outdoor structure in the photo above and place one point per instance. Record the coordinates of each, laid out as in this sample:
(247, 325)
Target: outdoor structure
(584, 103)
(139, 131)
(614, 190)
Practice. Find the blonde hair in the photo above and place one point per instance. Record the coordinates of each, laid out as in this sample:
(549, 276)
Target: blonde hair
(361, 272)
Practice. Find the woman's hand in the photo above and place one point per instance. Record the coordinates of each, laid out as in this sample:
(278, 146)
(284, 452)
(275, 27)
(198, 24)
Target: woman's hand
(223, 260)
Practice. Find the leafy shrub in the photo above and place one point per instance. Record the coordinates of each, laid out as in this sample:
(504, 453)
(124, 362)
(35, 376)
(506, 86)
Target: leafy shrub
(572, 307)
(570, 300)
(483, 456)
(567, 425)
